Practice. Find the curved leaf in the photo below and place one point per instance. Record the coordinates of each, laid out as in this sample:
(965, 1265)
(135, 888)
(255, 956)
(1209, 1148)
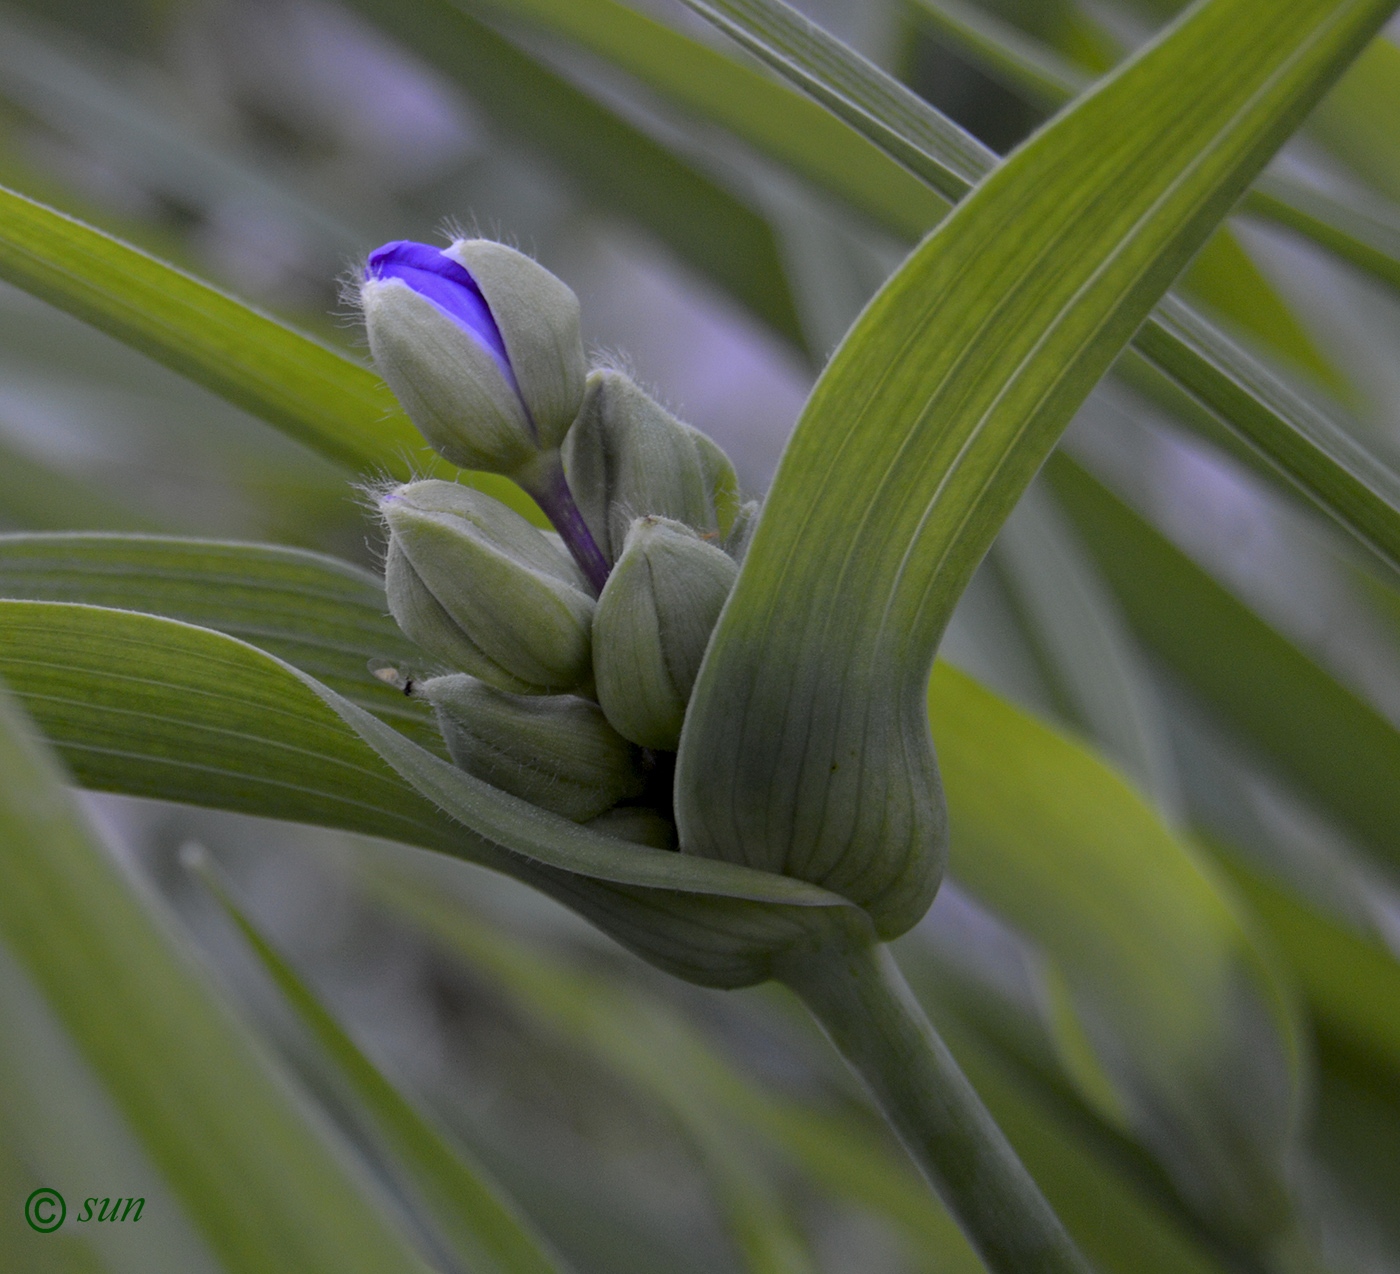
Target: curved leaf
(1316, 454)
(322, 615)
(157, 707)
(805, 749)
(1334, 746)
(1184, 1014)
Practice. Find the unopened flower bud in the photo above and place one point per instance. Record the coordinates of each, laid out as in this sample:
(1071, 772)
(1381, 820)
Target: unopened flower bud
(628, 457)
(653, 622)
(476, 585)
(555, 751)
(480, 344)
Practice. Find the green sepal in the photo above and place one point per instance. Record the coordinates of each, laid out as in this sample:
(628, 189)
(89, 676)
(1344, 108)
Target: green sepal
(653, 622)
(537, 315)
(556, 751)
(447, 381)
(628, 457)
(476, 585)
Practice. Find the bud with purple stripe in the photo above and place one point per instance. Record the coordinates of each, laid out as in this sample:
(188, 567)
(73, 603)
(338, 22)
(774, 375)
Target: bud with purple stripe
(482, 347)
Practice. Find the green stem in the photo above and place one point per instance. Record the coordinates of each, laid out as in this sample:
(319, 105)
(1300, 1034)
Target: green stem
(862, 1002)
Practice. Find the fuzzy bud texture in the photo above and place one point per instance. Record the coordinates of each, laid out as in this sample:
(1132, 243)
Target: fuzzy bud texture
(628, 457)
(556, 751)
(653, 623)
(477, 586)
(480, 344)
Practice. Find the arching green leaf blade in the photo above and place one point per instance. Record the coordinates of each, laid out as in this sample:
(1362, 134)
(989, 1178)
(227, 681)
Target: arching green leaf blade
(1185, 1015)
(1316, 453)
(804, 750)
(154, 707)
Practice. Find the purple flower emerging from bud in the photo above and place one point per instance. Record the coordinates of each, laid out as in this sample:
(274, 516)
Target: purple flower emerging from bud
(433, 274)
(482, 347)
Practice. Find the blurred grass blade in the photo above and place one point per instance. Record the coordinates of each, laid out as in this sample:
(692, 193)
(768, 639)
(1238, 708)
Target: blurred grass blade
(1037, 73)
(784, 125)
(484, 1230)
(1073, 621)
(1049, 838)
(929, 422)
(1315, 451)
(1292, 441)
(319, 397)
(1122, 1227)
(1015, 60)
(902, 124)
(721, 1109)
(1335, 747)
(1360, 122)
(1352, 985)
(1370, 241)
(71, 96)
(262, 1186)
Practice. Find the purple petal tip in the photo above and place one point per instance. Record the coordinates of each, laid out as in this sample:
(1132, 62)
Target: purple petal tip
(447, 284)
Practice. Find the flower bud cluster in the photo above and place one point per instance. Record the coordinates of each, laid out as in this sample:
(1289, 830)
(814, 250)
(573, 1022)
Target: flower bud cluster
(572, 656)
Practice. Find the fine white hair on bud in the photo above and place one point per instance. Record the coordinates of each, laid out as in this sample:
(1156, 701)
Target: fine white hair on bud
(480, 344)
(477, 586)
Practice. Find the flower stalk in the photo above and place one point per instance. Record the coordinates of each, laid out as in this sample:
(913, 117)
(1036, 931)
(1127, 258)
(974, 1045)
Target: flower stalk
(856, 992)
(544, 482)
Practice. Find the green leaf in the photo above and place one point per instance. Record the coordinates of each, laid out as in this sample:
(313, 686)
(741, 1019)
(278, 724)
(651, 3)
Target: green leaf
(1287, 438)
(1037, 73)
(484, 1230)
(778, 122)
(1072, 620)
(1122, 1227)
(1368, 240)
(1336, 748)
(263, 1187)
(1182, 1011)
(1360, 120)
(1316, 453)
(910, 131)
(322, 615)
(1017, 61)
(152, 707)
(805, 749)
(316, 395)
(155, 707)
(1352, 985)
